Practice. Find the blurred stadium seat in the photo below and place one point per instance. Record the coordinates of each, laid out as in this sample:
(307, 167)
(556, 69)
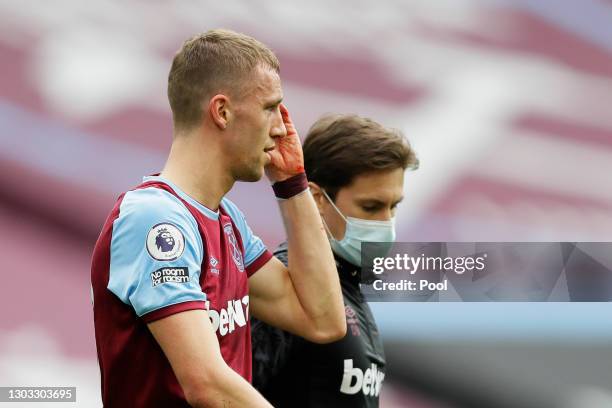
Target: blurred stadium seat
(507, 103)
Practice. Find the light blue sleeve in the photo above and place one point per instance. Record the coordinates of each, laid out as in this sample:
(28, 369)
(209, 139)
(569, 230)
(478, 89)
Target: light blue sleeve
(156, 252)
(253, 245)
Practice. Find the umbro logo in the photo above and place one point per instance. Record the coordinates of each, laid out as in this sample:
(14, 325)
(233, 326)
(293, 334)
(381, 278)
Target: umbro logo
(213, 263)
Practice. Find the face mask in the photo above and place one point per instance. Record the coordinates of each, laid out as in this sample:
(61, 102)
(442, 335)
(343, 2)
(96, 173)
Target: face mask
(358, 231)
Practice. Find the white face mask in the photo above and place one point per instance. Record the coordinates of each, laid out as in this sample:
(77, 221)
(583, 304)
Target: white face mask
(358, 231)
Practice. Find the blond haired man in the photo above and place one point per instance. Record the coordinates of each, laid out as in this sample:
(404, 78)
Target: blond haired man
(177, 270)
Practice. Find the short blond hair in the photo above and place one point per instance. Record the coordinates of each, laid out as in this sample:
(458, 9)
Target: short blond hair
(215, 61)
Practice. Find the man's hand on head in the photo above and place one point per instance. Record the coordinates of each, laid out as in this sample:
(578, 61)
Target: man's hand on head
(287, 159)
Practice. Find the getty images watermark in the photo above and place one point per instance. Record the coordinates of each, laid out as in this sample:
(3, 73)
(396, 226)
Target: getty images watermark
(487, 271)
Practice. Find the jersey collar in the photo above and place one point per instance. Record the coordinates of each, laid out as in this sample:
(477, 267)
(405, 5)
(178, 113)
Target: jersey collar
(213, 215)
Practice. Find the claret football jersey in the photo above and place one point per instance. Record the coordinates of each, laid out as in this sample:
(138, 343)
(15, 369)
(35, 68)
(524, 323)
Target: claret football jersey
(161, 252)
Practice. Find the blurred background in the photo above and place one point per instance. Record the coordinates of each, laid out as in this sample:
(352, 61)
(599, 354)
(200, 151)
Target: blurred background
(508, 104)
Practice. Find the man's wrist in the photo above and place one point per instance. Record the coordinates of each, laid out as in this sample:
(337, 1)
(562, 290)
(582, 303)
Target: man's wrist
(290, 187)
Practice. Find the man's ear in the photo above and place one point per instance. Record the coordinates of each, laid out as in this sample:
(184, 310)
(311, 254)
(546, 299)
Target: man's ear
(318, 196)
(219, 110)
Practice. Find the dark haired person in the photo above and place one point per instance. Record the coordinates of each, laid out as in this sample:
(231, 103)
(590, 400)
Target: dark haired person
(177, 270)
(356, 171)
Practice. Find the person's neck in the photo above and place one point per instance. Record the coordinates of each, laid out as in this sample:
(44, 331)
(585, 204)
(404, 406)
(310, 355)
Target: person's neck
(198, 170)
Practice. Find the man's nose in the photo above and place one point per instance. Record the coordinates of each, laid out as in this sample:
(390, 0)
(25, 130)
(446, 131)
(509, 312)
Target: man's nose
(278, 128)
(385, 215)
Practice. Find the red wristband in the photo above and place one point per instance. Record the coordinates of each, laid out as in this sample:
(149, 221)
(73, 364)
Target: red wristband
(292, 186)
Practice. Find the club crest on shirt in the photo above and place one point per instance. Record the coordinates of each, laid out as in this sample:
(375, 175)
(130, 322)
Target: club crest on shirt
(235, 250)
(165, 242)
(352, 320)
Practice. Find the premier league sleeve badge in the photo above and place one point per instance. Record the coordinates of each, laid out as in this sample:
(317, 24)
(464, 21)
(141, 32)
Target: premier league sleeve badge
(165, 242)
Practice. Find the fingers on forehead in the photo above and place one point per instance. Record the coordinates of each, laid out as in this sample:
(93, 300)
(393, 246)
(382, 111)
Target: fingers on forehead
(284, 111)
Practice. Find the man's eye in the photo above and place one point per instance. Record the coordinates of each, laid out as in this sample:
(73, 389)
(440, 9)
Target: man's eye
(370, 209)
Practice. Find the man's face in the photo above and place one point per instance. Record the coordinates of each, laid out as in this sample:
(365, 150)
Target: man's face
(371, 196)
(257, 121)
